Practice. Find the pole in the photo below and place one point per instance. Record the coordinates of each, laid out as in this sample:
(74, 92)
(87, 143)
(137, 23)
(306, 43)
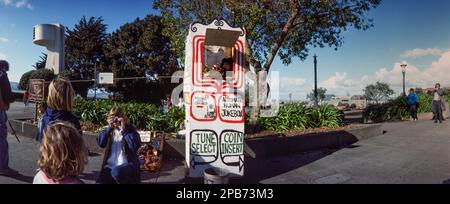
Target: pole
(404, 87)
(95, 82)
(13, 131)
(316, 97)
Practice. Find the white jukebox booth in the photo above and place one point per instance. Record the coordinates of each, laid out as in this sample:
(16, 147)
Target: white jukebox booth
(214, 92)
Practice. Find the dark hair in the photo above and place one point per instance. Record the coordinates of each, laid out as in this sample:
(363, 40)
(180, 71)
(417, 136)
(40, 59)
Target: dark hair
(43, 105)
(437, 85)
(227, 60)
(4, 65)
(411, 90)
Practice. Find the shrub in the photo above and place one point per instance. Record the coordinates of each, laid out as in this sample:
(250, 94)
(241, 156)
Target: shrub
(396, 109)
(142, 116)
(151, 117)
(290, 116)
(296, 116)
(325, 116)
(424, 103)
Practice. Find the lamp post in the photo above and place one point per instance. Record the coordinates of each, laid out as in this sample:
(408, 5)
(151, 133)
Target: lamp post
(316, 97)
(290, 97)
(404, 74)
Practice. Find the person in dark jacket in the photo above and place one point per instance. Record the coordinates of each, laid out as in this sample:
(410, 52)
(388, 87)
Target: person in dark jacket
(60, 103)
(121, 142)
(413, 102)
(6, 98)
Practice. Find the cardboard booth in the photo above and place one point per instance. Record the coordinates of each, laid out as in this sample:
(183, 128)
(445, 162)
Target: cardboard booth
(214, 93)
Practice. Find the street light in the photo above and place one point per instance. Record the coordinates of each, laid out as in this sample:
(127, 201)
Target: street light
(404, 73)
(316, 97)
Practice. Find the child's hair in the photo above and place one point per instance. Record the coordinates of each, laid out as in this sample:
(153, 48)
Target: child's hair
(437, 84)
(62, 153)
(411, 90)
(60, 95)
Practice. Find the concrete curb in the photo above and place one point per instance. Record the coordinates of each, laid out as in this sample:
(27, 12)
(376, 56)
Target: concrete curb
(280, 146)
(29, 130)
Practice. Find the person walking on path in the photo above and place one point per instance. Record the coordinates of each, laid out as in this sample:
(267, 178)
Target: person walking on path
(413, 102)
(6, 98)
(438, 104)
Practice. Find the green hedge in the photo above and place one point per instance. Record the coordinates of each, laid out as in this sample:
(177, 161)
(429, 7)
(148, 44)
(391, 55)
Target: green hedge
(425, 102)
(397, 109)
(297, 116)
(142, 116)
(151, 117)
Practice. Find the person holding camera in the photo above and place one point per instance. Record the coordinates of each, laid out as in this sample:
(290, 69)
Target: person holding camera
(121, 142)
(438, 104)
(6, 98)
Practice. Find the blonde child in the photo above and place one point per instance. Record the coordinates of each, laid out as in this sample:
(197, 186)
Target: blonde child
(63, 155)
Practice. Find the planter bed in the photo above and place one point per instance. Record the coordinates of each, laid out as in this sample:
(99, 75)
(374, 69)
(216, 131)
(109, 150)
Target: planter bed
(261, 145)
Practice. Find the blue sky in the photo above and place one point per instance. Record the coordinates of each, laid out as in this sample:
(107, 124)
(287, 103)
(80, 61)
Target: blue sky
(413, 31)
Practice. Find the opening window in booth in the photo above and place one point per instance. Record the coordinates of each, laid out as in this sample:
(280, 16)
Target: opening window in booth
(219, 53)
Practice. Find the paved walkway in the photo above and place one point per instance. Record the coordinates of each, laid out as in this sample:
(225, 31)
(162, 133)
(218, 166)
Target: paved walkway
(409, 152)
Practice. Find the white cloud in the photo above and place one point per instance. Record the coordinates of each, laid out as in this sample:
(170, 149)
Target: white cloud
(338, 81)
(438, 71)
(418, 52)
(287, 82)
(3, 40)
(18, 3)
(293, 85)
(7, 2)
(2, 56)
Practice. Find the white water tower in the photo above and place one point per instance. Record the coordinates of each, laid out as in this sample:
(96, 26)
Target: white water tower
(52, 37)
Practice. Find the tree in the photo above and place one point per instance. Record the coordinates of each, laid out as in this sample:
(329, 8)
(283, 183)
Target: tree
(85, 49)
(45, 74)
(284, 28)
(139, 49)
(321, 93)
(378, 91)
(42, 62)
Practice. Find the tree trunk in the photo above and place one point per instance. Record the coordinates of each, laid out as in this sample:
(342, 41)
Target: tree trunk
(255, 109)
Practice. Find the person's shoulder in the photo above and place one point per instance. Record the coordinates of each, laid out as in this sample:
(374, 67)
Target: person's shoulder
(71, 181)
(72, 118)
(40, 178)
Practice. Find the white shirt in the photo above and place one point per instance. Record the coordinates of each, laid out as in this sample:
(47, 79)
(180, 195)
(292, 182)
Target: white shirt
(41, 178)
(117, 156)
(437, 97)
